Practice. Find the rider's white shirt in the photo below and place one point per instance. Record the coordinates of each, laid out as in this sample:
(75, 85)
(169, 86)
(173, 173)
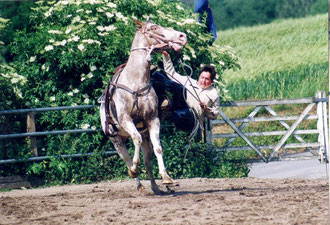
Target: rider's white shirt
(209, 95)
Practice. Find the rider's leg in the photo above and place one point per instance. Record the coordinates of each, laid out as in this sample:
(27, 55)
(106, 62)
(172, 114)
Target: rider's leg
(183, 119)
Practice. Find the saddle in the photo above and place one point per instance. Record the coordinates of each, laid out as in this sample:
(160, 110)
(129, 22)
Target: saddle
(109, 105)
(111, 121)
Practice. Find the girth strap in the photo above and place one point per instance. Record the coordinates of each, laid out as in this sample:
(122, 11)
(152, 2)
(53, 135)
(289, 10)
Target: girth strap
(136, 94)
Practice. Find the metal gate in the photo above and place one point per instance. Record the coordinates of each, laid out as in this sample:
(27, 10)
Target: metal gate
(319, 115)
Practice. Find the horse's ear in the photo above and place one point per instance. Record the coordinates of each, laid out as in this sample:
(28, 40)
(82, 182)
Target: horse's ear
(137, 23)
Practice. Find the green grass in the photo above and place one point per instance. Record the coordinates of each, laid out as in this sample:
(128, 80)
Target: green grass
(284, 59)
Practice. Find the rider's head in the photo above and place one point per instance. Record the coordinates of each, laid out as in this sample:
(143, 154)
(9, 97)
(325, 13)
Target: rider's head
(206, 76)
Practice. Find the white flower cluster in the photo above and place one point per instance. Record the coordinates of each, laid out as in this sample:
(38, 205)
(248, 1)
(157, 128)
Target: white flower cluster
(105, 7)
(13, 77)
(106, 28)
(55, 32)
(88, 76)
(192, 51)
(86, 126)
(90, 41)
(153, 2)
(86, 100)
(187, 21)
(44, 67)
(74, 91)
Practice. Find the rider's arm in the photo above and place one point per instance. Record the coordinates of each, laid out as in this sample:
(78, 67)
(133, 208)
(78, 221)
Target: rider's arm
(211, 105)
(170, 70)
(213, 110)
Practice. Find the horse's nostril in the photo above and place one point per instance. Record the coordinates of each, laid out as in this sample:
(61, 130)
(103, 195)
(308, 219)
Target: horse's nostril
(183, 38)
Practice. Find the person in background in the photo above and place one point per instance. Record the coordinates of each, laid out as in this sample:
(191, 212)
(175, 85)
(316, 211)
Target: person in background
(192, 100)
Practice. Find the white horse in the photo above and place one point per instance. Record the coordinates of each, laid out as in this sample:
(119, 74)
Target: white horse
(131, 102)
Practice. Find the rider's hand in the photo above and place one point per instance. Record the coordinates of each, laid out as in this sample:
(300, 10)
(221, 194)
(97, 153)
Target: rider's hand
(164, 53)
(204, 107)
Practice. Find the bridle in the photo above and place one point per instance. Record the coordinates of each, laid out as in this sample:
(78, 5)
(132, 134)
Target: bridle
(159, 38)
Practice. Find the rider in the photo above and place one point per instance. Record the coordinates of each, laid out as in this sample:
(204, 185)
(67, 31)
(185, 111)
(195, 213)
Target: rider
(190, 97)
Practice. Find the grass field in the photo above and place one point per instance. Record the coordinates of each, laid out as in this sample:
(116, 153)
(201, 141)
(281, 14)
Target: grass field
(284, 59)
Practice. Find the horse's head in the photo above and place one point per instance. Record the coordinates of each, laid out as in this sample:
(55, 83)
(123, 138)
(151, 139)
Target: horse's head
(160, 37)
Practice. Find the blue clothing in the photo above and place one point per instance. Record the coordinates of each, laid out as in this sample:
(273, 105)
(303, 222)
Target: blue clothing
(181, 115)
(202, 6)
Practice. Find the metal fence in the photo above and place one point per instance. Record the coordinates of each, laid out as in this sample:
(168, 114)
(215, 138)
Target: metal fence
(237, 125)
(32, 134)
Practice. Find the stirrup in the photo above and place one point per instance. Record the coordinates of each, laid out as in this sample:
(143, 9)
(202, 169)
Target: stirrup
(112, 130)
(101, 99)
(165, 105)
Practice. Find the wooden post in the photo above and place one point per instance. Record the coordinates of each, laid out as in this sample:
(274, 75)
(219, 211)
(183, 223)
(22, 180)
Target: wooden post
(31, 127)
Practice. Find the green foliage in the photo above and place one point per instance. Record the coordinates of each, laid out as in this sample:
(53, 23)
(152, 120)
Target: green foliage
(293, 8)
(285, 59)
(319, 7)
(234, 13)
(199, 162)
(18, 14)
(3, 25)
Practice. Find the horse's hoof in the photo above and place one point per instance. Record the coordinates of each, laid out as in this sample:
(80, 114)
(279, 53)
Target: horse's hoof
(140, 188)
(169, 190)
(133, 174)
(167, 180)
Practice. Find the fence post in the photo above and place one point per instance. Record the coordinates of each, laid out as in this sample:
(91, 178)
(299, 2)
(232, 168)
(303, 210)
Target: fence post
(325, 127)
(208, 132)
(320, 126)
(31, 127)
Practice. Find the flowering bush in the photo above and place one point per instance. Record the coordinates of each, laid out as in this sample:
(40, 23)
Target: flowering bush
(73, 46)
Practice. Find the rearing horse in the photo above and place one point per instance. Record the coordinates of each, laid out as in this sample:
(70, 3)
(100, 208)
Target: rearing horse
(135, 101)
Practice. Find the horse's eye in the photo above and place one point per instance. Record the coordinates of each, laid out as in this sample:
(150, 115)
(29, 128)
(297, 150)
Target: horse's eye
(154, 28)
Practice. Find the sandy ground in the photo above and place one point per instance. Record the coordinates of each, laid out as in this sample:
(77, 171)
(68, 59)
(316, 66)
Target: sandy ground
(195, 201)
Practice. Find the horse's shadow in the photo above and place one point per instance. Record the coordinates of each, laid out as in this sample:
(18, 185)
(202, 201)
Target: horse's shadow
(183, 193)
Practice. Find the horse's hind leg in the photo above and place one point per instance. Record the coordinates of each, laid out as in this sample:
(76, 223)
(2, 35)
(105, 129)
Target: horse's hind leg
(120, 146)
(129, 127)
(147, 154)
(153, 127)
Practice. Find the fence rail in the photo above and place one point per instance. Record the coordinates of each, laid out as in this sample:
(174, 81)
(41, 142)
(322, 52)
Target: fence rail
(32, 134)
(319, 101)
(291, 130)
(46, 109)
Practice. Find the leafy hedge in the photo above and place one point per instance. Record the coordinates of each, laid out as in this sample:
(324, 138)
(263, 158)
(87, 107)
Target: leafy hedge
(66, 58)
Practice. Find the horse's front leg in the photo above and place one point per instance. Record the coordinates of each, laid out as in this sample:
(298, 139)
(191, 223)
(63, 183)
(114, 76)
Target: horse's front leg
(154, 127)
(128, 125)
(147, 154)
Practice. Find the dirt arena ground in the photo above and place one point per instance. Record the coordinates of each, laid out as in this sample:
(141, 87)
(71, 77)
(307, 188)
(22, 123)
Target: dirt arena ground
(195, 201)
